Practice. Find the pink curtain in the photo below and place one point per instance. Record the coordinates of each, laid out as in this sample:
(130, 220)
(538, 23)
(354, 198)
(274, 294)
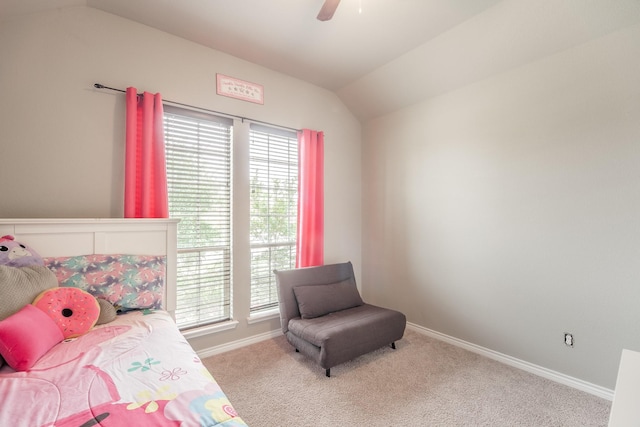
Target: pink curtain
(145, 190)
(310, 238)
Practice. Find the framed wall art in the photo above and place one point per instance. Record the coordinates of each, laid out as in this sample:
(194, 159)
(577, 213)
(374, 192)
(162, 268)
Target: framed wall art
(239, 89)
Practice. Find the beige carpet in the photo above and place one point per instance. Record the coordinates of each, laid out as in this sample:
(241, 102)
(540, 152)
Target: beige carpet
(425, 382)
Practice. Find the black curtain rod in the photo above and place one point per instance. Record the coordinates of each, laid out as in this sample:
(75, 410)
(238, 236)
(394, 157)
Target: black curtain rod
(101, 86)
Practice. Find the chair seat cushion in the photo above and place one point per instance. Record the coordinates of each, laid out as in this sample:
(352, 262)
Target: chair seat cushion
(354, 324)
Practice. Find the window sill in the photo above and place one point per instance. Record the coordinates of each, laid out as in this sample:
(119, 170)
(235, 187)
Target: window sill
(210, 329)
(263, 316)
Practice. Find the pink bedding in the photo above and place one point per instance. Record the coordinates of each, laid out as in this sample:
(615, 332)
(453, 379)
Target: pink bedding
(135, 371)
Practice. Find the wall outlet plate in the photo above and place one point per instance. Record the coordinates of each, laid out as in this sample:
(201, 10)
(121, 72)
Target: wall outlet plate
(568, 339)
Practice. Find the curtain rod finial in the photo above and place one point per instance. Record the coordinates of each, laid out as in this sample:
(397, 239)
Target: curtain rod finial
(98, 86)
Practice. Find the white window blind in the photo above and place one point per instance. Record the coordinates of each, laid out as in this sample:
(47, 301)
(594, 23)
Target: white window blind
(198, 152)
(274, 196)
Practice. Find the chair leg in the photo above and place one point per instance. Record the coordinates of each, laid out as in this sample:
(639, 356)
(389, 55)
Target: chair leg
(393, 345)
(328, 372)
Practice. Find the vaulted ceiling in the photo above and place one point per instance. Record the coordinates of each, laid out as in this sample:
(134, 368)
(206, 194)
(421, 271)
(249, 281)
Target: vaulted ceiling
(376, 55)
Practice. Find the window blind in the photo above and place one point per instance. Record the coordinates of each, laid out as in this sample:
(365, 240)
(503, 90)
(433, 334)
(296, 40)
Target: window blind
(273, 163)
(198, 155)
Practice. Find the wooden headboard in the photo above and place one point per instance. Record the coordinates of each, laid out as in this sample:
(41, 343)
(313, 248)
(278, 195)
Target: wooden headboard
(85, 236)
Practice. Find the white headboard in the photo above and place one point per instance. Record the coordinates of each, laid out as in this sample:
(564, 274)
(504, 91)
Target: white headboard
(85, 236)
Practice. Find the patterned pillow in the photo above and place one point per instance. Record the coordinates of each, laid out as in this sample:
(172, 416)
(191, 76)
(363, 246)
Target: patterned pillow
(127, 281)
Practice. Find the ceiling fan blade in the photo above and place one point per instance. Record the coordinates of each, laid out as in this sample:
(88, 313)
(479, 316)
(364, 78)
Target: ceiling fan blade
(328, 9)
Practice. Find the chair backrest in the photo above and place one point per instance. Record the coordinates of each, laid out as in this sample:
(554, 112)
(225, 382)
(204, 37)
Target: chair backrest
(320, 275)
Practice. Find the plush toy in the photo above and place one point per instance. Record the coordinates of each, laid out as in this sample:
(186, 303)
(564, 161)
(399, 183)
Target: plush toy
(15, 254)
(19, 286)
(23, 277)
(107, 312)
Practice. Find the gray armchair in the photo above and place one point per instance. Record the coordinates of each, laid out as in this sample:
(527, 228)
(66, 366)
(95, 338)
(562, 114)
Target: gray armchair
(323, 316)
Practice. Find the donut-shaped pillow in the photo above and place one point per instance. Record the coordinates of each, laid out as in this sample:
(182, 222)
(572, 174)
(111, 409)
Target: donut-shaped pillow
(75, 311)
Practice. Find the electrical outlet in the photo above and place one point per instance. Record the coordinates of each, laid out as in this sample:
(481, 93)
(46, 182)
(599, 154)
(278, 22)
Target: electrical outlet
(568, 339)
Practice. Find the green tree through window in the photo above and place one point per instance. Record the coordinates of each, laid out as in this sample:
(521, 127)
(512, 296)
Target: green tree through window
(274, 193)
(198, 152)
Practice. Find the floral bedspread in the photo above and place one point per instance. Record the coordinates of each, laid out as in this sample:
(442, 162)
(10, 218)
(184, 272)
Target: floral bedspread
(135, 371)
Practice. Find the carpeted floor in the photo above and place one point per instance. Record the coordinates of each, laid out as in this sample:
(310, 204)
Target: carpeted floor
(425, 382)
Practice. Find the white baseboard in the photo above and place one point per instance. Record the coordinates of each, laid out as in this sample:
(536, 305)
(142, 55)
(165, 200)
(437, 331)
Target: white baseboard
(207, 352)
(558, 377)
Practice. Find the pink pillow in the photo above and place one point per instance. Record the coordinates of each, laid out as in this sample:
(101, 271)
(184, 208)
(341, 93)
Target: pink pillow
(26, 336)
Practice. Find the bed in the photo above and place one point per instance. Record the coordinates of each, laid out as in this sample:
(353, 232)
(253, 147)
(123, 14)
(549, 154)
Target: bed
(135, 370)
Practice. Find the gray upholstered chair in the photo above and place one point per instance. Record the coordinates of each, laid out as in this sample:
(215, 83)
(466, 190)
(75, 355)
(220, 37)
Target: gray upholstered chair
(323, 316)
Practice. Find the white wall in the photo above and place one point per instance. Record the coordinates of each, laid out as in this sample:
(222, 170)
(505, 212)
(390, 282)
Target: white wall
(61, 140)
(508, 212)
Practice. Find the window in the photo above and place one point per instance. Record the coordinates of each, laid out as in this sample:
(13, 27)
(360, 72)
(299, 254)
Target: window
(273, 167)
(198, 153)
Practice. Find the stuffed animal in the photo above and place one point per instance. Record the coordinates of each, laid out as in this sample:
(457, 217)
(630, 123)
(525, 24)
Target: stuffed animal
(20, 285)
(15, 254)
(24, 276)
